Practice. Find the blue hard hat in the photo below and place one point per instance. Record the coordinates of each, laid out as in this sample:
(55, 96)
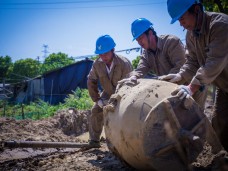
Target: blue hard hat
(139, 26)
(104, 44)
(176, 8)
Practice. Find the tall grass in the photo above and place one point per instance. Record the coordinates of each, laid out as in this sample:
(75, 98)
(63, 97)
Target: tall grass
(79, 99)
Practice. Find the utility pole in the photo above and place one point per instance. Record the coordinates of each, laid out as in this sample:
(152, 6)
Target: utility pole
(38, 69)
(45, 51)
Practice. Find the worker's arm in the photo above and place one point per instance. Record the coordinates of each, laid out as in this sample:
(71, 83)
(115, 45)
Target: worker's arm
(92, 84)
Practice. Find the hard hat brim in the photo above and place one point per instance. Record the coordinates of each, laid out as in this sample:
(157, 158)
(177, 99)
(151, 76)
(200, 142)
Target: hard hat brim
(182, 13)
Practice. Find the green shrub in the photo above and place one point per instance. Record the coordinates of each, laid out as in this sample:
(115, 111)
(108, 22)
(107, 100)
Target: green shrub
(40, 109)
(79, 99)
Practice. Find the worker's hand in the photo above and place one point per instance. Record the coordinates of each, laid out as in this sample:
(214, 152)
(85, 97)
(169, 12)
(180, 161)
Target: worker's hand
(100, 103)
(130, 80)
(182, 92)
(173, 78)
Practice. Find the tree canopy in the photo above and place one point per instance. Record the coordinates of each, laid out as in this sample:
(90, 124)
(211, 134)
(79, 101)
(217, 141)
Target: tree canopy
(25, 68)
(29, 68)
(135, 62)
(216, 5)
(54, 61)
(5, 64)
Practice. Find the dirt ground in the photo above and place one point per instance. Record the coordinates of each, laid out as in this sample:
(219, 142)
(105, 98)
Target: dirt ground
(66, 126)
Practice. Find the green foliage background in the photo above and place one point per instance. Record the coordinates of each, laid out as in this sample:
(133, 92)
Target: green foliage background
(135, 62)
(54, 61)
(79, 99)
(25, 68)
(216, 5)
(5, 64)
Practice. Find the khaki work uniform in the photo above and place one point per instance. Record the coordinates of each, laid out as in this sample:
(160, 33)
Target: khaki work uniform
(208, 61)
(108, 81)
(167, 59)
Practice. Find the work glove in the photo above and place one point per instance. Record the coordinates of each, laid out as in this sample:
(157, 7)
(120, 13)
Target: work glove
(182, 92)
(100, 103)
(130, 80)
(173, 78)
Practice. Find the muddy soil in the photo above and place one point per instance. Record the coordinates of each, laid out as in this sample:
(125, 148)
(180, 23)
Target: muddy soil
(66, 126)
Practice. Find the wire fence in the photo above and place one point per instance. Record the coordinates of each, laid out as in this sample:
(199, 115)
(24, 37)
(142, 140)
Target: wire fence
(20, 111)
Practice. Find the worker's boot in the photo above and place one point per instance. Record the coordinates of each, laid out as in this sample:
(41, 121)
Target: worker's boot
(220, 164)
(94, 144)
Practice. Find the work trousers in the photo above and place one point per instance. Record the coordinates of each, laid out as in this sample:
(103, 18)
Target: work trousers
(220, 117)
(96, 123)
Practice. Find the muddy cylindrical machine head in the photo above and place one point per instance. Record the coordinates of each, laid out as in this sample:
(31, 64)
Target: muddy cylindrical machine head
(152, 130)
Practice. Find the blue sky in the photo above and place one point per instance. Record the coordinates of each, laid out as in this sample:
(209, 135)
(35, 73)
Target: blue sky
(72, 26)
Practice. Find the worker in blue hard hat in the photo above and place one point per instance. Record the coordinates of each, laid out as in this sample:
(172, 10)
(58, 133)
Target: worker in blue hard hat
(108, 69)
(164, 54)
(207, 62)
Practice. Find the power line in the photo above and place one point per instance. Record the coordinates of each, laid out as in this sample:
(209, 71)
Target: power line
(127, 51)
(101, 6)
(50, 3)
(54, 3)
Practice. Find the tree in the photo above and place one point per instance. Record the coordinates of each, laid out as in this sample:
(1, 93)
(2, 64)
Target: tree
(54, 61)
(95, 57)
(26, 68)
(216, 5)
(5, 64)
(135, 62)
(5, 67)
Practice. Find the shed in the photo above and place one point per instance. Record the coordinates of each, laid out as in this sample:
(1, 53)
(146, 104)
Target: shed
(55, 85)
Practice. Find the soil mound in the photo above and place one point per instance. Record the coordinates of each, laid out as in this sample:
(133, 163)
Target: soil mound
(65, 126)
